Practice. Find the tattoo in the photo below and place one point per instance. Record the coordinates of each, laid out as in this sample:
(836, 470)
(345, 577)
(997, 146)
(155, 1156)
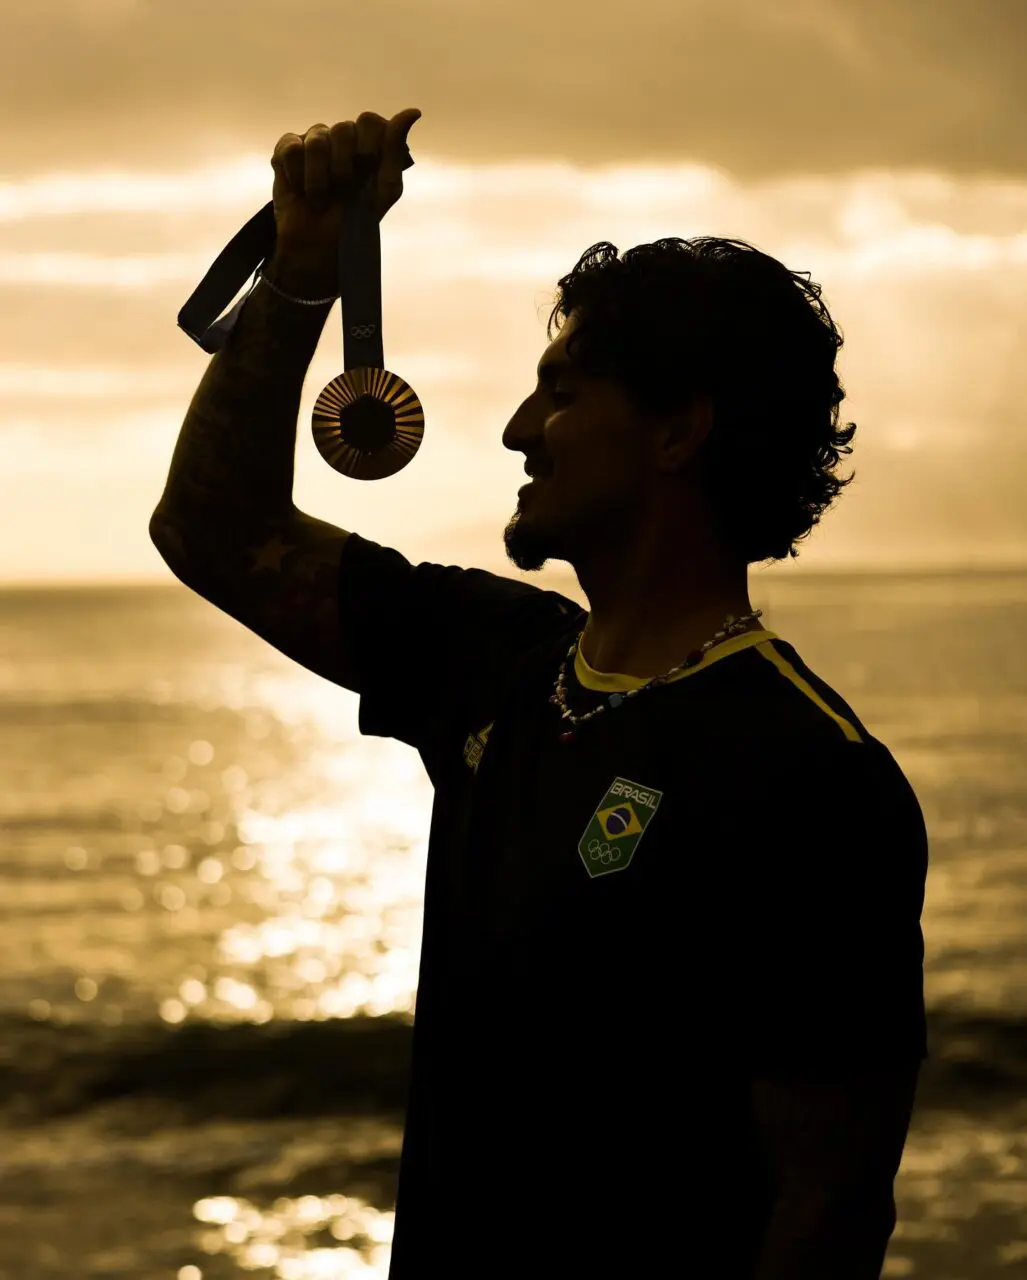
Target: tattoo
(844, 1239)
(281, 582)
(235, 453)
(833, 1146)
(835, 1133)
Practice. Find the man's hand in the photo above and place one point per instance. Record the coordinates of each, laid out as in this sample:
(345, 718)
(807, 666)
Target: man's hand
(317, 178)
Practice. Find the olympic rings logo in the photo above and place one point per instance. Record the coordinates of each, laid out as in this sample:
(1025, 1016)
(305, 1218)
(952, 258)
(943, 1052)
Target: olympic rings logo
(606, 853)
(363, 330)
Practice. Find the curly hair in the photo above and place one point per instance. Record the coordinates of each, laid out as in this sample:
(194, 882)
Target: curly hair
(679, 318)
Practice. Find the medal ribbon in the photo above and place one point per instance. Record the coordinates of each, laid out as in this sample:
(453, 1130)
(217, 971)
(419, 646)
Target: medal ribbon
(367, 422)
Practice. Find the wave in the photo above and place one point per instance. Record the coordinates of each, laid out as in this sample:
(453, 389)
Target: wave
(346, 1065)
(206, 1070)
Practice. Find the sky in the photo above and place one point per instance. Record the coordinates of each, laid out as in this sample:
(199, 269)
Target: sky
(878, 144)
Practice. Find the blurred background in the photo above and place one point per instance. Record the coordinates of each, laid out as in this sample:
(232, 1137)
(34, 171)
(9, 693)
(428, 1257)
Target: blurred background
(210, 884)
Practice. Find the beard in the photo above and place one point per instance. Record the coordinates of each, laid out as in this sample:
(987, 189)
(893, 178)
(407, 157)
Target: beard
(527, 547)
(531, 540)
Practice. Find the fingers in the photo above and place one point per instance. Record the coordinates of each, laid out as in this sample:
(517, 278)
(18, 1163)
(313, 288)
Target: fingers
(287, 160)
(317, 163)
(343, 141)
(332, 157)
(323, 159)
(370, 138)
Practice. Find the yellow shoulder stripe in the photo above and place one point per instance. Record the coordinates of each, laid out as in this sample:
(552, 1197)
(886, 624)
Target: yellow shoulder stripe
(785, 667)
(761, 641)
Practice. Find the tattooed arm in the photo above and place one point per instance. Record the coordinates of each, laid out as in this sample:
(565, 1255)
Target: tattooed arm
(226, 525)
(834, 1147)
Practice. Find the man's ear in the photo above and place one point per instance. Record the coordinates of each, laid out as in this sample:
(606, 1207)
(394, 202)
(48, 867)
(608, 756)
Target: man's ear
(681, 434)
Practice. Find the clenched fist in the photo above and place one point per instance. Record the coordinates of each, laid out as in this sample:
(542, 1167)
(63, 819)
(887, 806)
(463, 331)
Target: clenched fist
(316, 181)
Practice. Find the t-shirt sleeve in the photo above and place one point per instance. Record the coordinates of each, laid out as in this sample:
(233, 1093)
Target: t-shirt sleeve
(834, 941)
(425, 638)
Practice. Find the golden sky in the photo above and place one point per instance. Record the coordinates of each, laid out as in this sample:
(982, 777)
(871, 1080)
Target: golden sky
(878, 144)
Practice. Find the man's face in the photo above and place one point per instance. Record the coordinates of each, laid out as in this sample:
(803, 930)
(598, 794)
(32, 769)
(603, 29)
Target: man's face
(589, 448)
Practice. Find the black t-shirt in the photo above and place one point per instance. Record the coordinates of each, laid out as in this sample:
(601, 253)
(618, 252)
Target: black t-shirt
(718, 879)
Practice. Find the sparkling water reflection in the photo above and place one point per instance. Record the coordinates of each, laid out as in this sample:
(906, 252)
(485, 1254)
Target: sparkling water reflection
(282, 1238)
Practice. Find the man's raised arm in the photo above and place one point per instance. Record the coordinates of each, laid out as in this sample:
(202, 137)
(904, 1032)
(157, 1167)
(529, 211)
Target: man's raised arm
(226, 524)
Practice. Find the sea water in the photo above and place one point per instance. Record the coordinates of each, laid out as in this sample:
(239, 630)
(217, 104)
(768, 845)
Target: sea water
(210, 916)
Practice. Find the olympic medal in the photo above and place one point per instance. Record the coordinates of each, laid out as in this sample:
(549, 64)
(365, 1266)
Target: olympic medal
(368, 423)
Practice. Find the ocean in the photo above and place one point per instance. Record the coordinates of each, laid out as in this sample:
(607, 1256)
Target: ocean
(210, 915)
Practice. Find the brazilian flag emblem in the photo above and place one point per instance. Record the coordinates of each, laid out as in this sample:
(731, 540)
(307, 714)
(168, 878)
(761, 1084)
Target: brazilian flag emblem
(617, 825)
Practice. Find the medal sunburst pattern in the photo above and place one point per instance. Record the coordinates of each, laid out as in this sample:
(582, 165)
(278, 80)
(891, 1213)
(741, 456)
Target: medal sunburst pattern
(368, 423)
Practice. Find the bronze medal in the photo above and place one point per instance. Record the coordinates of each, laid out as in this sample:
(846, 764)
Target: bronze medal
(368, 423)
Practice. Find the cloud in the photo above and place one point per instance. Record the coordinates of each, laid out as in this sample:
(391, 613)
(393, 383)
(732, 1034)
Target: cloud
(927, 276)
(756, 88)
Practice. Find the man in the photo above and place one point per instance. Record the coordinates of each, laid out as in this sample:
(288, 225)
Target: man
(670, 1012)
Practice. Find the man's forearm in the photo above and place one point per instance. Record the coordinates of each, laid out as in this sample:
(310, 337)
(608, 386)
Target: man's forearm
(842, 1238)
(235, 454)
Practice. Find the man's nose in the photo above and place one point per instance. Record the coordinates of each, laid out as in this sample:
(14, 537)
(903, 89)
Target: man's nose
(524, 430)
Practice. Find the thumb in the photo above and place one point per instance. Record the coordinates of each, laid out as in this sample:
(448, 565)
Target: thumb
(395, 157)
(395, 152)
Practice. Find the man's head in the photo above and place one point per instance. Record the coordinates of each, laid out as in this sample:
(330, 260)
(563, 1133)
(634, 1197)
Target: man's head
(602, 471)
(688, 405)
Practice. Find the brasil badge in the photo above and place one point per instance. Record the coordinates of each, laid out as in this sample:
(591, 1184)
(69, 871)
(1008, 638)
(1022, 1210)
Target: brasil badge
(619, 822)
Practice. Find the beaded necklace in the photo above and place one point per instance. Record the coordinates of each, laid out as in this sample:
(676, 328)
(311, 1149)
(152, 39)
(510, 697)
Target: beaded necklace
(732, 626)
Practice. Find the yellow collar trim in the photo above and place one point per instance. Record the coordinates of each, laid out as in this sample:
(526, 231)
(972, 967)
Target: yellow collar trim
(614, 682)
